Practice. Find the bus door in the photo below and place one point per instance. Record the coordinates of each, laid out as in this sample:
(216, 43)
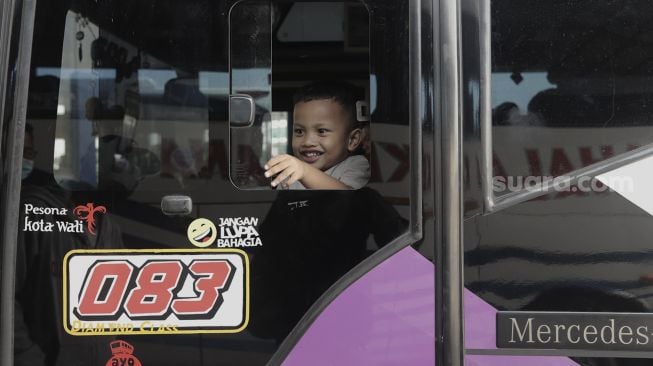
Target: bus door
(145, 230)
(557, 161)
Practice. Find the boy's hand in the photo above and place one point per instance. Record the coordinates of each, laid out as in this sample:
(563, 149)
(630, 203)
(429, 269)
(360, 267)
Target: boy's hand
(287, 168)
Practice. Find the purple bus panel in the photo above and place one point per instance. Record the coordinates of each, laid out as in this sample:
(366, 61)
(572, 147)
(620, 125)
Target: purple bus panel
(387, 318)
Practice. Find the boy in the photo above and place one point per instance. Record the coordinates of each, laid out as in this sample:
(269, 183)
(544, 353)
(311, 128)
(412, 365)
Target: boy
(325, 136)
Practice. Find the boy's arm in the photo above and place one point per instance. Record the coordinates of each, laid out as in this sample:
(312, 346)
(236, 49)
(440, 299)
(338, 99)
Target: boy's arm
(290, 168)
(316, 179)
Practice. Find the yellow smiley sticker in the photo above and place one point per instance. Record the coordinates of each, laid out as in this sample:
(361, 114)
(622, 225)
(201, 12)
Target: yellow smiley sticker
(202, 232)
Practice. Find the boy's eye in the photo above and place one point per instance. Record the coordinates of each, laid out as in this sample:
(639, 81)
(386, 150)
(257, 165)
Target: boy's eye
(322, 131)
(298, 131)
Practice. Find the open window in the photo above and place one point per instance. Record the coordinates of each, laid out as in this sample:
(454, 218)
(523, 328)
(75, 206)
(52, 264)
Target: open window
(270, 39)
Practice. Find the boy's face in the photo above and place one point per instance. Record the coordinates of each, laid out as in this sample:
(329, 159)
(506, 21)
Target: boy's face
(321, 133)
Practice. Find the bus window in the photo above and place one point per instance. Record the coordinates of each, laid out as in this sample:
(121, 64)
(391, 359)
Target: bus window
(569, 96)
(134, 142)
(126, 119)
(571, 83)
(320, 37)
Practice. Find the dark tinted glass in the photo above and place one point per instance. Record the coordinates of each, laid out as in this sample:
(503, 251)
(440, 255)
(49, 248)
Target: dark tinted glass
(569, 88)
(570, 79)
(128, 103)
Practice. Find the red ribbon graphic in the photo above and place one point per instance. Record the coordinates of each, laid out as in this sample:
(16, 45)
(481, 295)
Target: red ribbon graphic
(87, 213)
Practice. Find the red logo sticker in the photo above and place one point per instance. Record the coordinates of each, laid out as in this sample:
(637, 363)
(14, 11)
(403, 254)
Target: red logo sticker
(87, 213)
(122, 354)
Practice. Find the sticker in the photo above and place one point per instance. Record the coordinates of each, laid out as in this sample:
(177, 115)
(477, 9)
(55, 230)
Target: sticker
(87, 213)
(238, 232)
(202, 232)
(122, 354)
(297, 204)
(62, 221)
(164, 291)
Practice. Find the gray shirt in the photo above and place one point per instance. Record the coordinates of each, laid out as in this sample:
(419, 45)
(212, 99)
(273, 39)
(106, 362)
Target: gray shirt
(353, 171)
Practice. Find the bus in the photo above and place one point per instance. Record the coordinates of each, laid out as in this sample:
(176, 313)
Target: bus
(503, 218)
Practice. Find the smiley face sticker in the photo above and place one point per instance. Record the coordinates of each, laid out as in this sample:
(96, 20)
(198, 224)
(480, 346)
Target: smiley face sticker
(202, 232)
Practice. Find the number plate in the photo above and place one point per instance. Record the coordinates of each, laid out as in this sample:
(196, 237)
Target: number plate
(155, 291)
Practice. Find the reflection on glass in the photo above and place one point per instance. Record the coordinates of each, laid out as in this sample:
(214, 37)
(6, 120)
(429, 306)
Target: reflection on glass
(153, 82)
(505, 89)
(213, 83)
(275, 134)
(128, 120)
(567, 92)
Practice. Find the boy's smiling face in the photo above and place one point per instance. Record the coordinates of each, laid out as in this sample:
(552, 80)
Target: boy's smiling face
(322, 135)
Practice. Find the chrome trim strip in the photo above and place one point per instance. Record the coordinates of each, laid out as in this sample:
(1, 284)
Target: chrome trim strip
(6, 24)
(485, 72)
(12, 182)
(449, 268)
(555, 352)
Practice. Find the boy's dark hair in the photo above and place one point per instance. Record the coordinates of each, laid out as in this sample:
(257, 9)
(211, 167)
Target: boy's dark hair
(341, 92)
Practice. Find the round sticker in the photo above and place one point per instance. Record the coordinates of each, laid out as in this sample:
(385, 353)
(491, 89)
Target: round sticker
(202, 232)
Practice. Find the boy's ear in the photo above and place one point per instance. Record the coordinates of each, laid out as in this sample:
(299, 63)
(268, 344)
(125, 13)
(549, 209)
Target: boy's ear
(355, 139)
